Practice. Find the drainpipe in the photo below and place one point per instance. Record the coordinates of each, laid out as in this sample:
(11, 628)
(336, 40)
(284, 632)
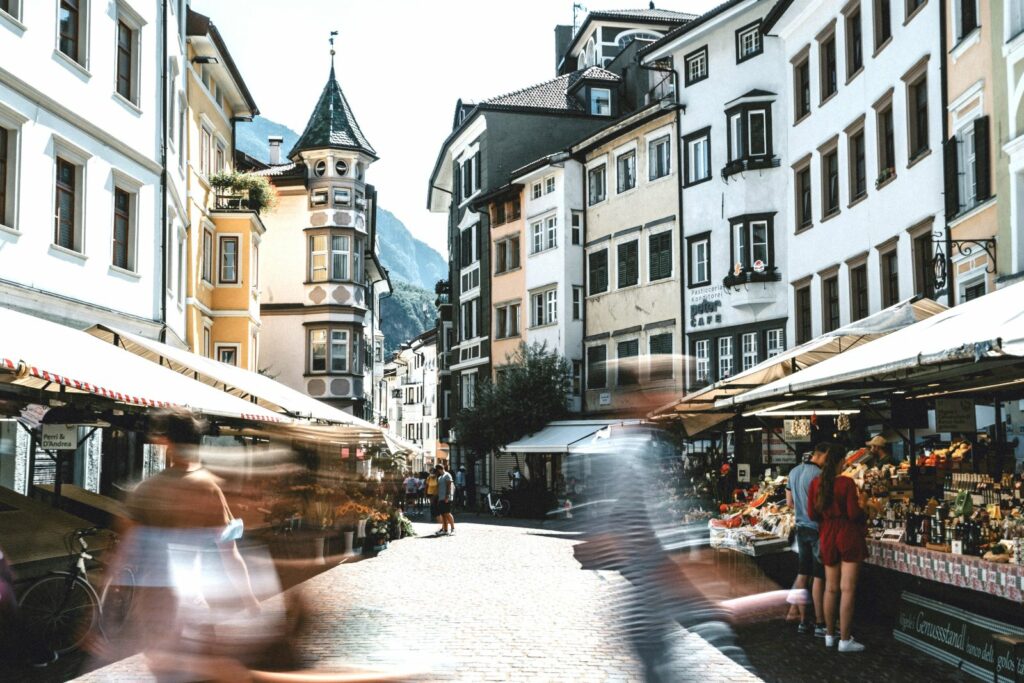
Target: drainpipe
(585, 365)
(944, 100)
(163, 180)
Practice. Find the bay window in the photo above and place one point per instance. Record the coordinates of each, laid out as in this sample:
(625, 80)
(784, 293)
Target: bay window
(752, 248)
(749, 136)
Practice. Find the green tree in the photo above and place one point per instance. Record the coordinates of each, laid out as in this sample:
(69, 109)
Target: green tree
(532, 389)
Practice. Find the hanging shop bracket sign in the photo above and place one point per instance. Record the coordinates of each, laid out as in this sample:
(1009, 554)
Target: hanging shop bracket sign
(957, 637)
(955, 415)
(58, 437)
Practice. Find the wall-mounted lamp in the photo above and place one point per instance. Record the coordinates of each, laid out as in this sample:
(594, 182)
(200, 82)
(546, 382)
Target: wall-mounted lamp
(205, 59)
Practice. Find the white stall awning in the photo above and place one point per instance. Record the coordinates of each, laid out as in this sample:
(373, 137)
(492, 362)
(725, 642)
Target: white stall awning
(559, 437)
(698, 410)
(41, 354)
(989, 327)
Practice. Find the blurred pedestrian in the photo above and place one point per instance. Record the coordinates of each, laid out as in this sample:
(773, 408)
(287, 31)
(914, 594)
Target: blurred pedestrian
(835, 503)
(431, 487)
(809, 567)
(445, 496)
(460, 487)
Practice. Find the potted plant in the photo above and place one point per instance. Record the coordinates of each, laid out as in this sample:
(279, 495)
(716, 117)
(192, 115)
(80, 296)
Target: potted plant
(237, 190)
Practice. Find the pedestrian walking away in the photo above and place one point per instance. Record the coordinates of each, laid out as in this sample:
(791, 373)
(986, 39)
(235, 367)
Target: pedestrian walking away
(810, 571)
(445, 496)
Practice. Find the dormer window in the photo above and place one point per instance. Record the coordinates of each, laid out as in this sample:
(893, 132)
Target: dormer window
(341, 168)
(320, 168)
(600, 102)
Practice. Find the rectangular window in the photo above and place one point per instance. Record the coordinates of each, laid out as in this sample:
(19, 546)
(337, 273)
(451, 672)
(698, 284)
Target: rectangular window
(551, 232)
(470, 316)
(227, 354)
(342, 197)
(595, 183)
(468, 386)
(600, 102)
(830, 182)
(67, 204)
(890, 279)
(660, 350)
(71, 17)
(625, 172)
(700, 262)
(854, 44)
(776, 342)
(11, 7)
(802, 87)
(598, 271)
(749, 132)
(748, 42)
(318, 350)
(917, 102)
(924, 265)
(696, 66)
(803, 315)
(125, 61)
(859, 292)
(537, 237)
(628, 263)
(659, 256)
(318, 197)
(698, 156)
(229, 260)
(549, 184)
(506, 321)
(537, 191)
(702, 355)
(122, 229)
(577, 377)
(829, 83)
(883, 23)
(500, 257)
(626, 363)
(205, 140)
(804, 212)
(886, 144)
(220, 158)
(858, 165)
(5, 174)
(597, 371)
(468, 245)
(751, 244)
(544, 308)
(207, 256)
(318, 258)
(207, 343)
(749, 350)
(830, 303)
(339, 350)
(725, 365)
(913, 6)
(577, 303)
(577, 227)
(339, 257)
(659, 158)
(1015, 18)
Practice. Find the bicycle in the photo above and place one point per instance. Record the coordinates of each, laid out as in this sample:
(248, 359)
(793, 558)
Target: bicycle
(62, 609)
(499, 505)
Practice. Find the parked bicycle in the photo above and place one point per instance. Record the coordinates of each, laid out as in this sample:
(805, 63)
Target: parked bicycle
(62, 609)
(499, 504)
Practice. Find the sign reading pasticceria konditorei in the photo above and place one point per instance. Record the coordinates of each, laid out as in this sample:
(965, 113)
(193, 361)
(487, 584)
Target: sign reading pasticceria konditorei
(956, 636)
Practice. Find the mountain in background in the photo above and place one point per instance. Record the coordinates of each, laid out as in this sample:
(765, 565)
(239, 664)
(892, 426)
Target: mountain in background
(414, 266)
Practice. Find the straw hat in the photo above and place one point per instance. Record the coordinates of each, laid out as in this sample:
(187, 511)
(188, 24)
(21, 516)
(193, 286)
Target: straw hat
(877, 440)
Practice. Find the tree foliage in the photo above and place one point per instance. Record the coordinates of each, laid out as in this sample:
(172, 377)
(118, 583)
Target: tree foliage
(531, 390)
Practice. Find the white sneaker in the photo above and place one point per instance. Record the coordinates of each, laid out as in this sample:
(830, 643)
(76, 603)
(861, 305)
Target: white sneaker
(830, 641)
(850, 645)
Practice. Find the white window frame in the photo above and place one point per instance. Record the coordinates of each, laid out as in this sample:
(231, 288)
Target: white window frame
(338, 337)
(725, 357)
(549, 184)
(749, 41)
(701, 263)
(576, 228)
(79, 158)
(577, 302)
(467, 389)
(653, 167)
(702, 356)
(776, 342)
(207, 255)
(544, 307)
(550, 232)
(536, 237)
(131, 186)
(1014, 10)
(698, 59)
(135, 22)
(698, 156)
(327, 350)
(602, 167)
(81, 62)
(221, 238)
(237, 348)
(600, 102)
(749, 350)
(12, 122)
(537, 190)
(205, 150)
(628, 155)
(14, 13)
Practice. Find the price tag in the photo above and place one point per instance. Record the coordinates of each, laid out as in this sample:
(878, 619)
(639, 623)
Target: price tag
(958, 548)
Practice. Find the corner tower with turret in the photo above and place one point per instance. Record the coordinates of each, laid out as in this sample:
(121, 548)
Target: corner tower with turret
(323, 280)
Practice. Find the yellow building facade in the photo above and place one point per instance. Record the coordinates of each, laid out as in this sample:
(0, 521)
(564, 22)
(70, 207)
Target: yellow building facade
(222, 315)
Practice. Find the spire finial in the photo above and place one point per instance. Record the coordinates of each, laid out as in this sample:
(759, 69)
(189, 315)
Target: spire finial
(331, 41)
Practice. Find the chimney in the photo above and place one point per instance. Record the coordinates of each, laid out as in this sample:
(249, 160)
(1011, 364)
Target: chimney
(274, 141)
(563, 36)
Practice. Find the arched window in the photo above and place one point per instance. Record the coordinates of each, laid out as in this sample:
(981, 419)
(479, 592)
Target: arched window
(629, 36)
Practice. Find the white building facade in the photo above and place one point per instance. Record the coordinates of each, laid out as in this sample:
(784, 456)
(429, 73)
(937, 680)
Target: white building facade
(553, 212)
(411, 380)
(734, 128)
(864, 156)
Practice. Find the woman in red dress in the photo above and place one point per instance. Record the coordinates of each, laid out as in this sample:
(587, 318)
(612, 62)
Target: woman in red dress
(835, 503)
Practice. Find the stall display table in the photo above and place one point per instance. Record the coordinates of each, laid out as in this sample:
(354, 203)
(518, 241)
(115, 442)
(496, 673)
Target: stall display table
(963, 571)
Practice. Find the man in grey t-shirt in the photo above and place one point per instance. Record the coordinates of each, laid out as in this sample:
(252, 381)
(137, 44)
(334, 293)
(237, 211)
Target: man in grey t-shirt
(445, 495)
(809, 564)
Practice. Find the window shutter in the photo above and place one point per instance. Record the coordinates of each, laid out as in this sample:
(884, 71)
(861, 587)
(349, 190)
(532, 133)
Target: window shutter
(982, 159)
(951, 186)
(476, 171)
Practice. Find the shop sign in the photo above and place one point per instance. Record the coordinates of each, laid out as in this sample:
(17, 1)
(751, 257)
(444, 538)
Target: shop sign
(743, 473)
(705, 313)
(788, 458)
(604, 398)
(955, 415)
(957, 637)
(60, 438)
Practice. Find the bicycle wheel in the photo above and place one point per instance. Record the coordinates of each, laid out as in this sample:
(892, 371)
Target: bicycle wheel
(116, 601)
(59, 611)
(502, 507)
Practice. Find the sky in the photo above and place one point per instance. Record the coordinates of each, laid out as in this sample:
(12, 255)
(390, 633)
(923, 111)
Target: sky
(403, 64)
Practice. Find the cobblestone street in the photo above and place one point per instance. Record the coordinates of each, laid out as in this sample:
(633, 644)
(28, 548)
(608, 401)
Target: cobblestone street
(492, 603)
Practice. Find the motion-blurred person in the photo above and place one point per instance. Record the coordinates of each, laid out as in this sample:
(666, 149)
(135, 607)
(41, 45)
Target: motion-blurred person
(810, 569)
(431, 489)
(412, 487)
(460, 487)
(835, 503)
(445, 497)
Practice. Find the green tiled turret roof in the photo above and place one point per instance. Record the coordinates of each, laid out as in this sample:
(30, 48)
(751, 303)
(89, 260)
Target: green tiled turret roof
(332, 125)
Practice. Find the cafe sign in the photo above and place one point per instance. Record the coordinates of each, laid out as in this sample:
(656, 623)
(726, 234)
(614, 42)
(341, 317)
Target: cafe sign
(957, 637)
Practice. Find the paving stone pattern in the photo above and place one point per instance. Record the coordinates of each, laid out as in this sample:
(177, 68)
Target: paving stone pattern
(492, 603)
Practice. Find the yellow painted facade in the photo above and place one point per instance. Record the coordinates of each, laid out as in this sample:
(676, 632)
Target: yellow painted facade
(222, 316)
(508, 281)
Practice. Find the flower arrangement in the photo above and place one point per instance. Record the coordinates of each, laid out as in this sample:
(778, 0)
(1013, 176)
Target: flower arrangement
(261, 193)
